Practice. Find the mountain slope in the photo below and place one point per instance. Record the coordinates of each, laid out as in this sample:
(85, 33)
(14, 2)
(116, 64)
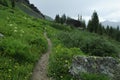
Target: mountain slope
(48, 18)
(110, 23)
(29, 9)
(21, 44)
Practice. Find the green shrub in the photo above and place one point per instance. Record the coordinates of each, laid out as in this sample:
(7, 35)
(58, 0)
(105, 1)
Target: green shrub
(88, 76)
(4, 2)
(40, 43)
(60, 61)
(60, 27)
(21, 46)
(90, 44)
(16, 49)
(12, 70)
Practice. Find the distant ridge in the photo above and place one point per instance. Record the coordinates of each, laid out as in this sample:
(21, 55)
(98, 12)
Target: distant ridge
(110, 23)
(30, 9)
(48, 18)
(27, 7)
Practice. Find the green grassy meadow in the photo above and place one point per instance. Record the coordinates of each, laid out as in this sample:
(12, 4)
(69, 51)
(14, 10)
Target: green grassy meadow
(24, 43)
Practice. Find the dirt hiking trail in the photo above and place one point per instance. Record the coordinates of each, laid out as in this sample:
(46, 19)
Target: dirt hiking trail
(40, 70)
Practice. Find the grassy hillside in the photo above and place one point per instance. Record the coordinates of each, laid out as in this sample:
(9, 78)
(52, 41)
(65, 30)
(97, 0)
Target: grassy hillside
(28, 10)
(68, 43)
(23, 43)
(25, 6)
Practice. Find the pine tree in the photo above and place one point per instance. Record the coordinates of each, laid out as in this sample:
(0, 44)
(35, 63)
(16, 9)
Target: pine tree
(89, 26)
(100, 29)
(83, 25)
(63, 19)
(111, 32)
(117, 28)
(95, 21)
(103, 30)
(107, 30)
(78, 17)
(93, 24)
(57, 18)
(117, 34)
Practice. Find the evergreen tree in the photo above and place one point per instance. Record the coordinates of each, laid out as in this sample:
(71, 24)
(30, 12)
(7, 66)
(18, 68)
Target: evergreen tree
(117, 37)
(111, 32)
(100, 29)
(89, 26)
(63, 19)
(83, 25)
(27, 1)
(107, 30)
(103, 30)
(95, 21)
(117, 28)
(32, 6)
(57, 18)
(93, 24)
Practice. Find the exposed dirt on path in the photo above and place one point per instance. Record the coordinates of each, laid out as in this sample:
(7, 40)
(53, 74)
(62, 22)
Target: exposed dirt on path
(40, 70)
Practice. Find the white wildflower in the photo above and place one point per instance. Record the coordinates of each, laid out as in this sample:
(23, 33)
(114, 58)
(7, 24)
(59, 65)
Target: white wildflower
(15, 27)
(22, 31)
(10, 24)
(15, 30)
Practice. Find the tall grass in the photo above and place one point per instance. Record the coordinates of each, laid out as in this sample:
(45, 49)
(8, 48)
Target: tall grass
(22, 44)
(70, 43)
(89, 43)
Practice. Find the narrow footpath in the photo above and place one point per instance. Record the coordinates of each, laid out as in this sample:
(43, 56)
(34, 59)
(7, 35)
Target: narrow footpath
(40, 70)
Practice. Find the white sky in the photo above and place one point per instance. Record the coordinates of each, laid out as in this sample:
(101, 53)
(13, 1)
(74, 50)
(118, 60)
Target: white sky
(106, 9)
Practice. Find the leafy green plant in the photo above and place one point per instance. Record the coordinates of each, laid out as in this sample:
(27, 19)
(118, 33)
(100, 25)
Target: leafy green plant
(60, 61)
(90, 44)
(60, 27)
(10, 69)
(22, 44)
(15, 49)
(4, 2)
(88, 76)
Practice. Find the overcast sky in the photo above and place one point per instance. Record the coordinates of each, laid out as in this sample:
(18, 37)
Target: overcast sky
(106, 9)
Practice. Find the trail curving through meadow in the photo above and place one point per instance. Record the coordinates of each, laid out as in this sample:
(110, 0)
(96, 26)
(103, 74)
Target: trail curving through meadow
(40, 70)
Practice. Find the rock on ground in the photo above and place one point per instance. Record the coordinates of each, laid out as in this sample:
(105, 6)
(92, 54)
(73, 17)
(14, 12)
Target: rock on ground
(97, 65)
